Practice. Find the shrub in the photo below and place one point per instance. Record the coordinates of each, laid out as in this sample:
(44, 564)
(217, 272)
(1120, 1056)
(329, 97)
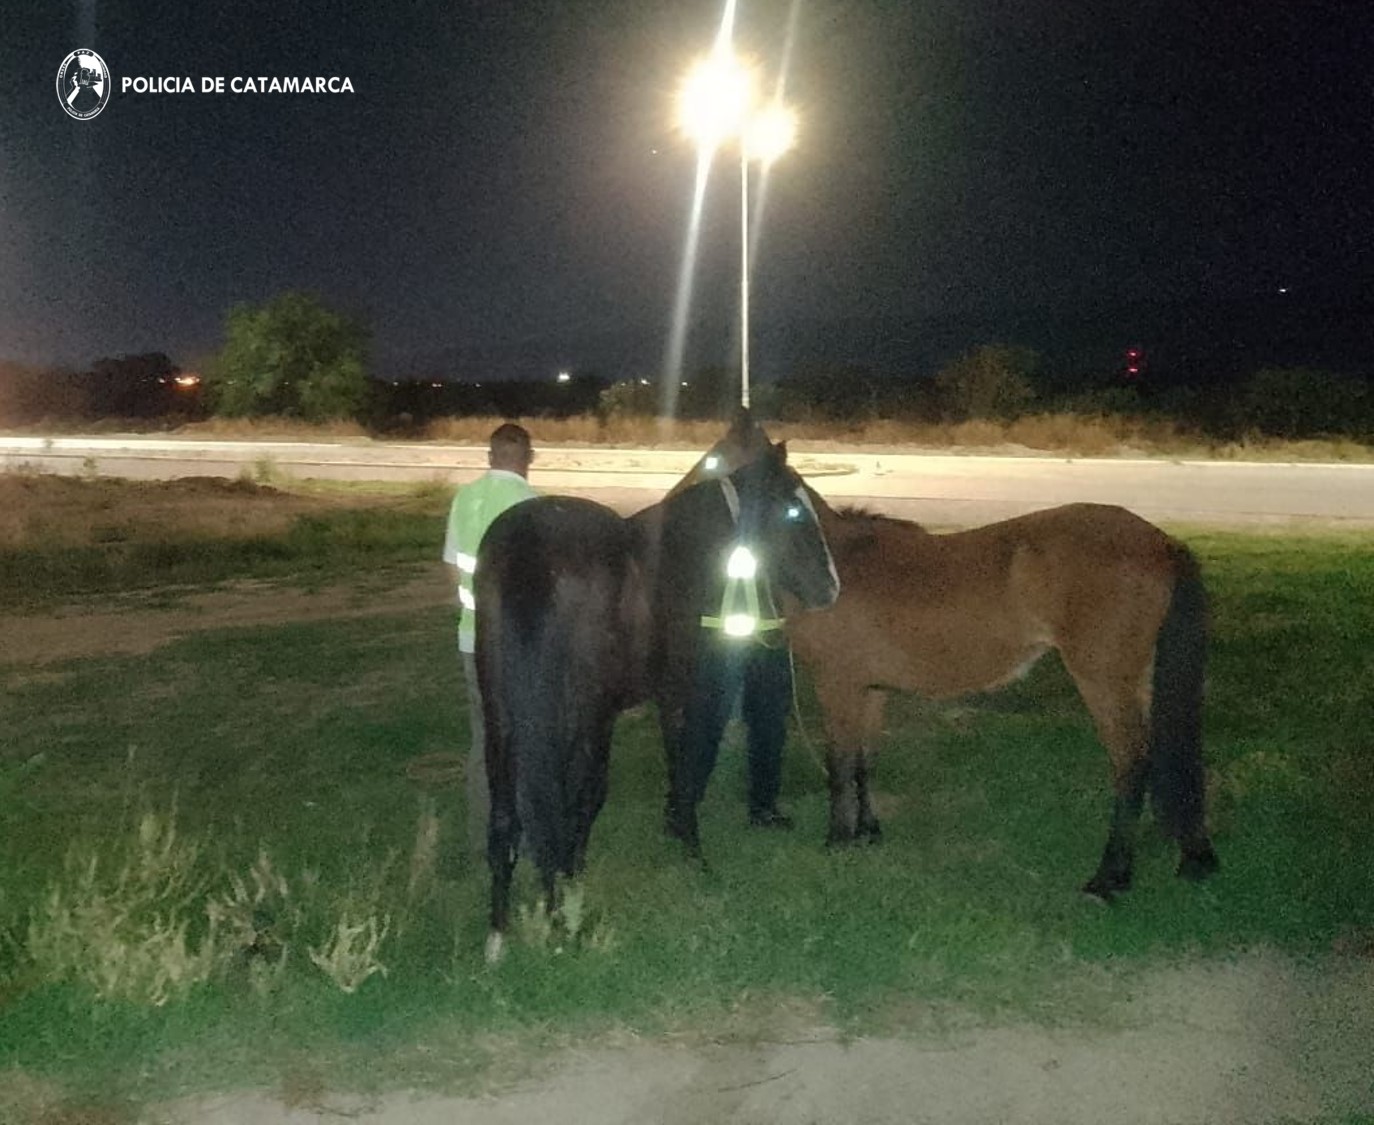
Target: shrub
(992, 381)
(291, 356)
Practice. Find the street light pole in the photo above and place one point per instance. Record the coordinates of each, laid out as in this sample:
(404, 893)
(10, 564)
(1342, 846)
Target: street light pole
(744, 275)
(717, 105)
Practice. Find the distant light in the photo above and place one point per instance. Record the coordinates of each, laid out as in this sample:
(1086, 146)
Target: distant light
(684, 382)
(1283, 289)
(188, 380)
(436, 384)
(644, 382)
(564, 377)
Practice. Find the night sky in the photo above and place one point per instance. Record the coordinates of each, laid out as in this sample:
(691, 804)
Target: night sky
(504, 192)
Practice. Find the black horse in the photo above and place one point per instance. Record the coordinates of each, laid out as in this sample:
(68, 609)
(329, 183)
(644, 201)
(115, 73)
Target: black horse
(583, 614)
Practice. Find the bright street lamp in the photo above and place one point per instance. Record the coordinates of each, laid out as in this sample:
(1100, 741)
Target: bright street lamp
(717, 104)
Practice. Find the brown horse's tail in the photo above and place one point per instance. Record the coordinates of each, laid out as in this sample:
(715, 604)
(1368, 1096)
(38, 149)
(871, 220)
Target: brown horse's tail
(1178, 779)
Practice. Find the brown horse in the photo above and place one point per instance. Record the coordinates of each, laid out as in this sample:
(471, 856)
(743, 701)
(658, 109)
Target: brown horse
(947, 615)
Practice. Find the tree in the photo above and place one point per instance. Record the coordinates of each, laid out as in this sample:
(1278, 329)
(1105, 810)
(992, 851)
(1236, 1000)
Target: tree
(291, 356)
(992, 381)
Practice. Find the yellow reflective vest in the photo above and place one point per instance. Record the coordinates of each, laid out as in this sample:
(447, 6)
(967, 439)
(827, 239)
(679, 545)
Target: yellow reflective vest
(475, 507)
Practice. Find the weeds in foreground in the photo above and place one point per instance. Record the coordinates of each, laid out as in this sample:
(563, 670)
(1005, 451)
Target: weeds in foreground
(129, 929)
(154, 919)
(349, 954)
(571, 926)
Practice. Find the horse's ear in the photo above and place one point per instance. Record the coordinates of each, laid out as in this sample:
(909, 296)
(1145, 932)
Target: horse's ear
(780, 450)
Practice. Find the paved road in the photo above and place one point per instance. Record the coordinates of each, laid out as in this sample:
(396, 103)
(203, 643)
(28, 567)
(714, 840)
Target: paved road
(934, 488)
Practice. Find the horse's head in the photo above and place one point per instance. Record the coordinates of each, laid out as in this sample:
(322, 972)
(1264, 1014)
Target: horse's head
(777, 524)
(744, 441)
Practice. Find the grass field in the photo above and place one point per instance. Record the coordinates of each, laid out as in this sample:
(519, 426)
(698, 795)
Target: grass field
(216, 865)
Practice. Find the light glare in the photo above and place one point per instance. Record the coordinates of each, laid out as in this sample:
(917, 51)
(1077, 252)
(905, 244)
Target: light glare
(770, 132)
(739, 625)
(742, 564)
(715, 99)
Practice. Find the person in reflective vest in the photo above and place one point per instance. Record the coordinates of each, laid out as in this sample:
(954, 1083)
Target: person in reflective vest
(475, 507)
(754, 671)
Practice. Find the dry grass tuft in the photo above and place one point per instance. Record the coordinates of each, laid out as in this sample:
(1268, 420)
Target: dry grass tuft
(148, 920)
(425, 851)
(130, 929)
(269, 428)
(348, 955)
(53, 511)
(573, 925)
(584, 429)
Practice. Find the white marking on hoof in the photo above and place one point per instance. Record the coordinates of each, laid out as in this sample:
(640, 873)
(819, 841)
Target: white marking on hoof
(496, 947)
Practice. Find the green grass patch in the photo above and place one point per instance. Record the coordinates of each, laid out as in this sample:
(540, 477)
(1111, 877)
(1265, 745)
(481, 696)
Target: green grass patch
(213, 861)
(317, 547)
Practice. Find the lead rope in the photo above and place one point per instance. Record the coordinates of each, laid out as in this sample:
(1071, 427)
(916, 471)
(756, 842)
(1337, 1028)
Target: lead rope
(811, 750)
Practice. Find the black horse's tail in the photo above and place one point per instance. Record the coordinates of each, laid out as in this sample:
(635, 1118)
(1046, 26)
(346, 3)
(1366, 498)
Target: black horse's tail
(556, 673)
(1178, 788)
(535, 686)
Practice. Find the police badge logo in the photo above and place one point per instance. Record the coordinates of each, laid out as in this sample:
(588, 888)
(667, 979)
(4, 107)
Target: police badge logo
(83, 84)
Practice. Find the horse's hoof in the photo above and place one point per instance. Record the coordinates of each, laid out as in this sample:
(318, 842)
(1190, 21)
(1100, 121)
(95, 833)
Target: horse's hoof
(770, 818)
(1106, 886)
(1198, 865)
(1095, 894)
(496, 947)
(871, 833)
(835, 840)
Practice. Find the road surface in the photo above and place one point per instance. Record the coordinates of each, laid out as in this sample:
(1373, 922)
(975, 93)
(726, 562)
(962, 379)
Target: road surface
(934, 488)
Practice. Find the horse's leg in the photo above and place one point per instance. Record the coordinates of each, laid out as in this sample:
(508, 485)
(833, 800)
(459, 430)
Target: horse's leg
(844, 707)
(867, 826)
(593, 795)
(670, 711)
(715, 683)
(764, 705)
(1119, 712)
(503, 833)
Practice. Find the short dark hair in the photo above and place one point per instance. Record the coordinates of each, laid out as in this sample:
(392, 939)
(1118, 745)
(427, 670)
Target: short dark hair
(510, 442)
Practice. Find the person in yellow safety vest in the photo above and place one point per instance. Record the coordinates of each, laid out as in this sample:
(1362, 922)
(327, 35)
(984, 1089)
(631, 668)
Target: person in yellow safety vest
(475, 507)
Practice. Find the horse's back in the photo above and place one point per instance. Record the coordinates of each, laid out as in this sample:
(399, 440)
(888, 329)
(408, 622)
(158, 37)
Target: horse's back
(1080, 566)
(953, 613)
(562, 571)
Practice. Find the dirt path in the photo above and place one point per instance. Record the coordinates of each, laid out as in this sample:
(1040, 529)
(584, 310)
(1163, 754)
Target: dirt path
(133, 627)
(1257, 1039)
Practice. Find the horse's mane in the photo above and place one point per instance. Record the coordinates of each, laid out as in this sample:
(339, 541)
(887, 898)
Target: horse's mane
(868, 515)
(858, 511)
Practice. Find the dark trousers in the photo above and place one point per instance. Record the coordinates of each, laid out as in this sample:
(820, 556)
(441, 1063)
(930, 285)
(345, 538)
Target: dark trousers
(725, 669)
